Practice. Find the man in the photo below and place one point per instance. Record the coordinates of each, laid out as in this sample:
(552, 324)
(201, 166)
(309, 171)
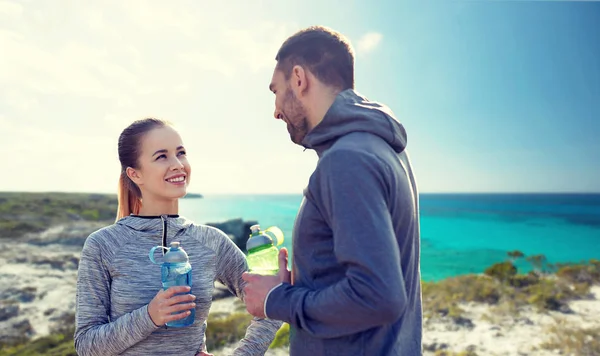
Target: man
(355, 285)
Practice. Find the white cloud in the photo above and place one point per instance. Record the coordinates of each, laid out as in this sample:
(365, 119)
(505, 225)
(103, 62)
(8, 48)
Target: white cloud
(72, 77)
(10, 9)
(368, 42)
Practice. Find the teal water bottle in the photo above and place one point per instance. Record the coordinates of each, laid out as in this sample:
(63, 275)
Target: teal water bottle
(262, 250)
(176, 271)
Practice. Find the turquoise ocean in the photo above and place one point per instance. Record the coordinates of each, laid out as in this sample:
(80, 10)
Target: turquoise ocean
(460, 233)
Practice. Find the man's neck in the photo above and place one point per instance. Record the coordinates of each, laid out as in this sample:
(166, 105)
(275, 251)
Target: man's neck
(323, 100)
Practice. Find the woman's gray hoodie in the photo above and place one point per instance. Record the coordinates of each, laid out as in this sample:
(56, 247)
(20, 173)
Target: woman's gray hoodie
(116, 282)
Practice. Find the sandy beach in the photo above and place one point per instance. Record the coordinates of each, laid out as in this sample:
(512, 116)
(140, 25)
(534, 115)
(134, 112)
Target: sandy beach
(489, 331)
(37, 296)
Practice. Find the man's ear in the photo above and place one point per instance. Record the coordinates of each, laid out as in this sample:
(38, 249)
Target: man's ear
(134, 175)
(299, 80)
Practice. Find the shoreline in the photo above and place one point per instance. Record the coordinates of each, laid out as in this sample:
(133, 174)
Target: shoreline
(37, 290)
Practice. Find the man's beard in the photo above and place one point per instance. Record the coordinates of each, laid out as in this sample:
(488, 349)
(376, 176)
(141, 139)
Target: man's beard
(295, 114)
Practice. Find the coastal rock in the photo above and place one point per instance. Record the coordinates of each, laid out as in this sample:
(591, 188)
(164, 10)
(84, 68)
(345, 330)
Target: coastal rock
(464, 322)
(237, 229)
(16, 331)
(8, 311)
(23, 295)
(435, 346)
(71, 234)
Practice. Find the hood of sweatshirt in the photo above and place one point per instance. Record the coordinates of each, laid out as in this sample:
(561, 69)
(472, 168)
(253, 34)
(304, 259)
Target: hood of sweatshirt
(165, 227)
(352, 112)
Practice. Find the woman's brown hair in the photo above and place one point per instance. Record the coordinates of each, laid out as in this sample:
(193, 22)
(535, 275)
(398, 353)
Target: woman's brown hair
(129, 195)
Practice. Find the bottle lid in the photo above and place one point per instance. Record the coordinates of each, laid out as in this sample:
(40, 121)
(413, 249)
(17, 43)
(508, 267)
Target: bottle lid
(257, 238)
(176, 254)
(254, 228)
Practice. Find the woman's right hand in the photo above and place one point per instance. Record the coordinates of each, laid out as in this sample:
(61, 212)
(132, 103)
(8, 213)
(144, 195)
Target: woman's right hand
(166, 302)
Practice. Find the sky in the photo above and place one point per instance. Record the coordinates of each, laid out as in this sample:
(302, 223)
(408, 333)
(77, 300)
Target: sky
(496, 96)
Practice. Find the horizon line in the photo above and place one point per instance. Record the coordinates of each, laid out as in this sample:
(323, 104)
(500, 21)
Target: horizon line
(299, 193)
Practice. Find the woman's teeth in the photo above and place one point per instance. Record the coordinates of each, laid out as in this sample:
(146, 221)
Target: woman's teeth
(175, 180)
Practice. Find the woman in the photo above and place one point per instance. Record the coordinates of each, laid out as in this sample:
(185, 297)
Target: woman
(119, 311)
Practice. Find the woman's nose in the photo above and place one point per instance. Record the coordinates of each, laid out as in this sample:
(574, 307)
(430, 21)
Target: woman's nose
(176, 165)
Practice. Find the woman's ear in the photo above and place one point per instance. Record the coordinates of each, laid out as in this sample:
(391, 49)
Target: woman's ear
(134, 175)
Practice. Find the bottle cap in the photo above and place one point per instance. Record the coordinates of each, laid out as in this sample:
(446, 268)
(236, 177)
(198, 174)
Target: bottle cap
(257, 240)
(254, 228)
(176, 254)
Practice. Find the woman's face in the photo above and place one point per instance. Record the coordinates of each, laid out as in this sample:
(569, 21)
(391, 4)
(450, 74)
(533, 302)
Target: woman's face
(163, 169)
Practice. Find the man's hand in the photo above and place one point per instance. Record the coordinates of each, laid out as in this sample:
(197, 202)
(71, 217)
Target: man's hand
(258, 286)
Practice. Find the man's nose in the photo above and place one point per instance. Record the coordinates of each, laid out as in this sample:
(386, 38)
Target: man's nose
(277, 114)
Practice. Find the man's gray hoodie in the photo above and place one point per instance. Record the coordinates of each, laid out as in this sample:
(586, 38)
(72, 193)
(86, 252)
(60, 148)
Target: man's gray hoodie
(356, 246)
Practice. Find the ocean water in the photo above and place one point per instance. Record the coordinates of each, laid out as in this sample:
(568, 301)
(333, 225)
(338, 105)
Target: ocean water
(460, 233)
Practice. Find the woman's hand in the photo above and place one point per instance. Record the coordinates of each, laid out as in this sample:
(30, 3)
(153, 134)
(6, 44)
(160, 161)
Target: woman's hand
(166, 302)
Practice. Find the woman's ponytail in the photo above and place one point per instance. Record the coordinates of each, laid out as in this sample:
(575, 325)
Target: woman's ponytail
(129, 198)
(130, 195)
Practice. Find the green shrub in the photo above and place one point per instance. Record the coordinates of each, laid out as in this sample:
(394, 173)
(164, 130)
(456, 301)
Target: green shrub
(53, 345)
(221, 331)
(502, 271)
(22, 213)
(282, 338)
(569, 340)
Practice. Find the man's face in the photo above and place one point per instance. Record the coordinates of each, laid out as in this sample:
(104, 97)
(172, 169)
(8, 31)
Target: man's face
(288, 108)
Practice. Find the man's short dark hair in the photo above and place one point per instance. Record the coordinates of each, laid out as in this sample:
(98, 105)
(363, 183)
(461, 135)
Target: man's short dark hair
(327, 54)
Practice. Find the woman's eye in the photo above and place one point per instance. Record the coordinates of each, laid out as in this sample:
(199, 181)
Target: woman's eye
(161, 156)
(181, 153)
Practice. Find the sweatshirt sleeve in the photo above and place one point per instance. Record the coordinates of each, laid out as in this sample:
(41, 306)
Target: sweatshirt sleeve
(95, 333)
(231, 263)
(351, 191)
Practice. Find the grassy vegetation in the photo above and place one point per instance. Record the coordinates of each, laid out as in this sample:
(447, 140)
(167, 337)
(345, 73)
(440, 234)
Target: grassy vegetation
(501, 285)
(568, 340)
(545, 287)
(57, 344)
(224, 330)
(282, 338)
(22, 213)
(451, 353)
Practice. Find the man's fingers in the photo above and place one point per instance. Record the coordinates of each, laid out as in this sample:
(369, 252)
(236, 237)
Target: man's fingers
(283, 258)
(249, 277)
(284, 274)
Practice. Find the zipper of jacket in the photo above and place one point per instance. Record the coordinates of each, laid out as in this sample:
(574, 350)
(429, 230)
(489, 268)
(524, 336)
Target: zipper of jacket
(164, 239)
(164, 232)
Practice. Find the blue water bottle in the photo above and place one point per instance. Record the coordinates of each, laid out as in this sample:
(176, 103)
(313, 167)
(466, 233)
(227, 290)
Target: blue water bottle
(176, 271)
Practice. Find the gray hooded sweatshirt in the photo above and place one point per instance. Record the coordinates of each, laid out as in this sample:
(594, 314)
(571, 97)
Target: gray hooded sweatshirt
(356, 247)
(116, 282)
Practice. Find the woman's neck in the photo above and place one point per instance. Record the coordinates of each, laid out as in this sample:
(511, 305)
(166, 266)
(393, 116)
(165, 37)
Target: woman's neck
(155, 207)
